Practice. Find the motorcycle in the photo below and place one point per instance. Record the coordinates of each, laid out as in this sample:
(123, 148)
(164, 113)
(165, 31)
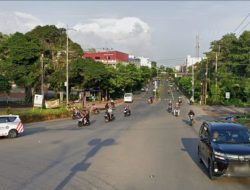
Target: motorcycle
(83, 122)
(176, 112)
(169, 109)
(76, 115)
(126, 112)
(107, 118)
(95, 111)
(150, 100)
(191, 118)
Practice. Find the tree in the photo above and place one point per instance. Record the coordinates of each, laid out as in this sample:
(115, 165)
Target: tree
(22, 64)
(5, 85)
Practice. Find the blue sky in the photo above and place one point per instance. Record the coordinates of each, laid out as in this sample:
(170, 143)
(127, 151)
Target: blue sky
(164, 31)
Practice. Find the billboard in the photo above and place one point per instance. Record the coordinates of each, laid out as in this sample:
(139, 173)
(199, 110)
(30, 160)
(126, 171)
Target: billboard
(38, 100)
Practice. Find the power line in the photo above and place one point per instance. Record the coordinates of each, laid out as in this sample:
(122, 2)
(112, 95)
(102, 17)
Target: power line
(242, 22)
(244, 27)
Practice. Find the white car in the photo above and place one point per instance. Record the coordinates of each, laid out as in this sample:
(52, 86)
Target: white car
(10, 126)
(128, 97)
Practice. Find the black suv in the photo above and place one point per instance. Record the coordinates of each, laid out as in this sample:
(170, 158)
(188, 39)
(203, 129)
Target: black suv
(224, 148)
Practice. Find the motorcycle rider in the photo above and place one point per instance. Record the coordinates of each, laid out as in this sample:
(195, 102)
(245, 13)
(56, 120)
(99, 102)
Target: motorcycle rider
(109, 112)
(191, 113)
(85, 116)
(180, 100)
(176, 109)
(75, 112)
(106, 106)
(94, 109)
(126, 108)
(150, 100)
(170, 105)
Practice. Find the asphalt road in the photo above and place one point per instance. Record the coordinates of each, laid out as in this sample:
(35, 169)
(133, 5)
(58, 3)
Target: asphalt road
(151, 149)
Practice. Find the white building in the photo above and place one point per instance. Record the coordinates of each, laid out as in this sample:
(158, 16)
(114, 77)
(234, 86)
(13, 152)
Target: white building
(145, 62)
(177, 68)
(192, 60)
(140, 61)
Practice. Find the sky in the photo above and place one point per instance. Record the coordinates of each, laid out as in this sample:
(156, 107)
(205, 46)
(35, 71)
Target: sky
(164, 31)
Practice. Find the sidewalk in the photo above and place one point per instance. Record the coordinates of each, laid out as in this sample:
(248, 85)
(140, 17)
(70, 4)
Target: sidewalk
(219, 111)
(211, 113)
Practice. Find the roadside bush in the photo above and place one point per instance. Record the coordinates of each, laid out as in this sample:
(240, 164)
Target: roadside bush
(35, 115)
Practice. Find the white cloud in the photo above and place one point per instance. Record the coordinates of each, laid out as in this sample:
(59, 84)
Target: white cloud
(17, 21)
(130, 33)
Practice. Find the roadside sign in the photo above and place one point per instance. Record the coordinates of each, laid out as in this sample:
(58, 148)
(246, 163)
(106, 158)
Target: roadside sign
(38, 100)
(52, 103)
(227, 95)
(156, 85)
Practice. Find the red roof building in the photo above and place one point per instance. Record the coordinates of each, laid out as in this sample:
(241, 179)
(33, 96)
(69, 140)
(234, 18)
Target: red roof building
(107, 57)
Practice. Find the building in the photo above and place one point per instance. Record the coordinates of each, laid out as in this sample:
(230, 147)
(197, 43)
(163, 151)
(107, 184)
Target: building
(140, 61)
(107, 57)
(192, 60)
(145, 62)
(181, 70)
(134, 60)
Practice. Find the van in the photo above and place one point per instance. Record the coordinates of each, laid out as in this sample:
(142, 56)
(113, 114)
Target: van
(128, 97)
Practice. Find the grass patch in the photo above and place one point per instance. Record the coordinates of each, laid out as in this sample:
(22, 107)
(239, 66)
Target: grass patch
(34, 115)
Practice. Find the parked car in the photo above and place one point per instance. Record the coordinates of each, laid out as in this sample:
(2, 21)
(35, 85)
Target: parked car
(128, 97)
(224, 148)
(10, 126)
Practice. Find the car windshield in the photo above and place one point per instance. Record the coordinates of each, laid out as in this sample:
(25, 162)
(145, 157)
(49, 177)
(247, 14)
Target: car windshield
(128, 95)
(231, 135)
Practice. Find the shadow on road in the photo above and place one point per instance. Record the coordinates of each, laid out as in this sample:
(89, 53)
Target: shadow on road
(84, 164)
(190, 146)
(187, 122)
(202, 118)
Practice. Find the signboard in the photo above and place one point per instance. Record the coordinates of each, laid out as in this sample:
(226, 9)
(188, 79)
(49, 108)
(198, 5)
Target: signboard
(52, 103)
(38, 100)
(227, 95)
(156, 85)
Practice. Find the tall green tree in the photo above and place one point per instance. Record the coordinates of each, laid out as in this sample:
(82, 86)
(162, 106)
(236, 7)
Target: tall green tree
(22, 65)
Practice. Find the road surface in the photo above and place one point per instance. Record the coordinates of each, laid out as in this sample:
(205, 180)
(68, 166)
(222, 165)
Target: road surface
(151, 149)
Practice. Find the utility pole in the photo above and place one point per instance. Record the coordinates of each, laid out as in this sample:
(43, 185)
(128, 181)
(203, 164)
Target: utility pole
(206, 73)
(67, 68)
(197, 46)
(216, 64)
(192, 83)
(42, 75)
(197, 56)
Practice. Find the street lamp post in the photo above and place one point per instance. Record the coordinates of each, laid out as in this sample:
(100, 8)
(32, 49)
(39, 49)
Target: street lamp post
(67, 64)
(67, 68)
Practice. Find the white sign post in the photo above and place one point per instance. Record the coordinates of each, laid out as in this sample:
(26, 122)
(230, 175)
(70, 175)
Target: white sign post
(227, 95)
(38, 100)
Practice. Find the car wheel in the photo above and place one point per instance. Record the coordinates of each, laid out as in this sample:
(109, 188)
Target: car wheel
(199, 155)
(211, 170)
(12, 133)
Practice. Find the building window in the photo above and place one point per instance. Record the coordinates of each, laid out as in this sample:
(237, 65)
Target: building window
(97, 57)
